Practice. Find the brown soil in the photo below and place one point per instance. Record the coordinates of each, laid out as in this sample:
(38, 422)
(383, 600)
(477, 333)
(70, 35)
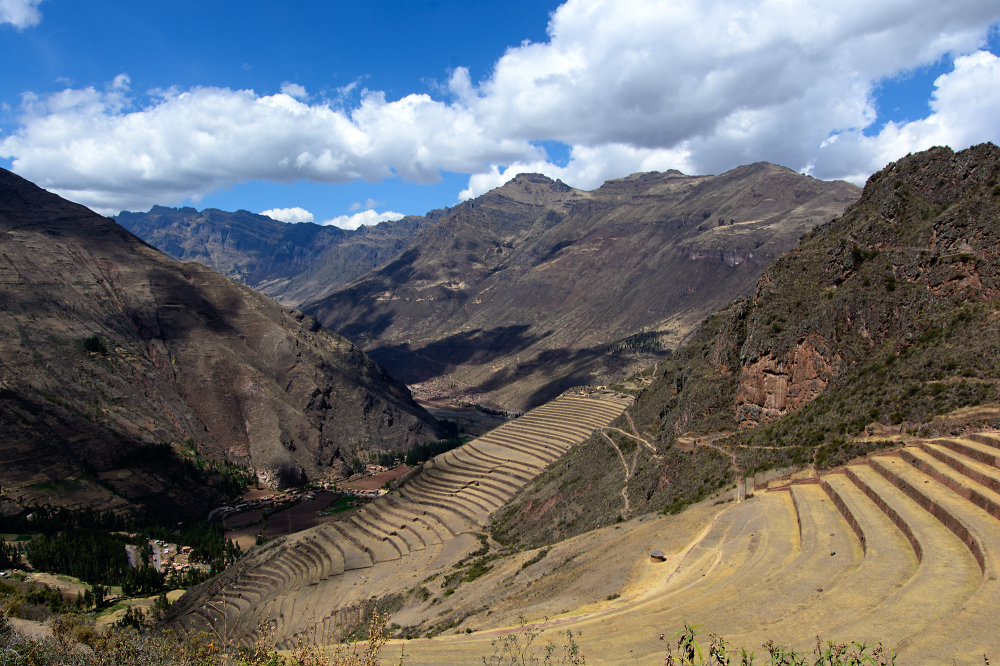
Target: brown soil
(256, 493)
(301, 516)
(378, 480)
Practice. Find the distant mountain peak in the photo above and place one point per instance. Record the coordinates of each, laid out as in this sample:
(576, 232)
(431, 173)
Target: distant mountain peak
(533, 188)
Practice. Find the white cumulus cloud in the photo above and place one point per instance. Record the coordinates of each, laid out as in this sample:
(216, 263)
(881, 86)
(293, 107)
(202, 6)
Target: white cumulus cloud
(91, 147)
(20, 13)
(965, 110)
(716, 84)
(698, 85)
(290, 215)
(364, 218)
(294, 90)
(587, 167)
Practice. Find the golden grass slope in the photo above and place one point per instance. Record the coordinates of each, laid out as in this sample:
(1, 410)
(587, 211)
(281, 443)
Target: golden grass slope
(902, 547)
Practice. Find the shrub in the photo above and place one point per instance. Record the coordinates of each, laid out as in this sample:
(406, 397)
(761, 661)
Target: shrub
(690, 653)
(94, 344)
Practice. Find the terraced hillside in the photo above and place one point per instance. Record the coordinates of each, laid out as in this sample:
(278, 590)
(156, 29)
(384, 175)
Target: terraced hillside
(901, 547)
(311, 585)
(883, 320)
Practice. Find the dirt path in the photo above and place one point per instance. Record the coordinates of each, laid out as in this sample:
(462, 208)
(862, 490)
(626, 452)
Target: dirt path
(695, 441)
(628, 470)
(635, 430)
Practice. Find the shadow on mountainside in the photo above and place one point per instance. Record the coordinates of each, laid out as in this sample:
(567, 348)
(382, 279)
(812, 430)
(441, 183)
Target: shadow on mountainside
(368, 317)
(565, 369)
(183, 308)
(440, 357)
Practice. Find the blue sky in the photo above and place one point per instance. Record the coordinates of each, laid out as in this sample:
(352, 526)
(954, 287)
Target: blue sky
(407, 106)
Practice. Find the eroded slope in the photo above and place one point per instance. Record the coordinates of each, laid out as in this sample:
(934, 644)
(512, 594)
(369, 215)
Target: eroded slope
(109, 346)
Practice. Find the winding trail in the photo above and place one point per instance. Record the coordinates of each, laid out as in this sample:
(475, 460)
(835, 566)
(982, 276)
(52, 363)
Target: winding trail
(700, 441)
(628, 471)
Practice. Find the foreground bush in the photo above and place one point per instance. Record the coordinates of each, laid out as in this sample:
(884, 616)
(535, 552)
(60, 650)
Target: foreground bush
(720, 653)
(514, 649)
(75, 642)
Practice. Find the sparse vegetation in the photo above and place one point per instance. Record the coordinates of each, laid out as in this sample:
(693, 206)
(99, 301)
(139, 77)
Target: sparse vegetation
(689, 652)
(133, 641)
(515, 649)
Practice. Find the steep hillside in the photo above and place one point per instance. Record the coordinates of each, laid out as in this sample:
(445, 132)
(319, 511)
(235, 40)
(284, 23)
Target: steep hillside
(291, 263)
(884, 321)
(533, 287)
(109, 347)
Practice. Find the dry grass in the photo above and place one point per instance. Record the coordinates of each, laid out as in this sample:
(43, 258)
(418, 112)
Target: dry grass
(75, 641)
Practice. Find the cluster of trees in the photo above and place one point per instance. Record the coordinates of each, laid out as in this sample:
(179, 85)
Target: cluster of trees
(49, 521)
(423, 452)
(496, 412)
(391, 458)
(90, 545)
(10, 554)
(207, 541)
(640, 342)
(230, 478)
(90, 555)
(142, 581)
(234, 479)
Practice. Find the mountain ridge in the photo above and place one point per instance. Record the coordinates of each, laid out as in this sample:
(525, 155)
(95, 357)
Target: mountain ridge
(881, 326)
(537, 278)
(111, 347)
(288, 262)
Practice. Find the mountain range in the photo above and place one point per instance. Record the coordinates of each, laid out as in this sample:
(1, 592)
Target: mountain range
(291, 263)
(512, 297)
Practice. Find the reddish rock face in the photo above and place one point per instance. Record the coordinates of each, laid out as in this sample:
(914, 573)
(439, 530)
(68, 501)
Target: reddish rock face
(770, 387)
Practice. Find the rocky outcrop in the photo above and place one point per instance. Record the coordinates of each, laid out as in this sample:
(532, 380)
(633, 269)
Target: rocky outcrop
(771, 387)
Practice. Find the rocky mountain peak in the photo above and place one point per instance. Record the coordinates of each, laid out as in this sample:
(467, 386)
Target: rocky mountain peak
(533, 188)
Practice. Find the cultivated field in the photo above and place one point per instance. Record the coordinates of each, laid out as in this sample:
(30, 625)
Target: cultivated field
(901, 547)
(313, 585)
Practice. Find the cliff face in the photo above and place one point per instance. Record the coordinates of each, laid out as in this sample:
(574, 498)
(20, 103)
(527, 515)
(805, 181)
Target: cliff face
(920, 242)
(109, 346)
(770, 387)
(885, 319)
